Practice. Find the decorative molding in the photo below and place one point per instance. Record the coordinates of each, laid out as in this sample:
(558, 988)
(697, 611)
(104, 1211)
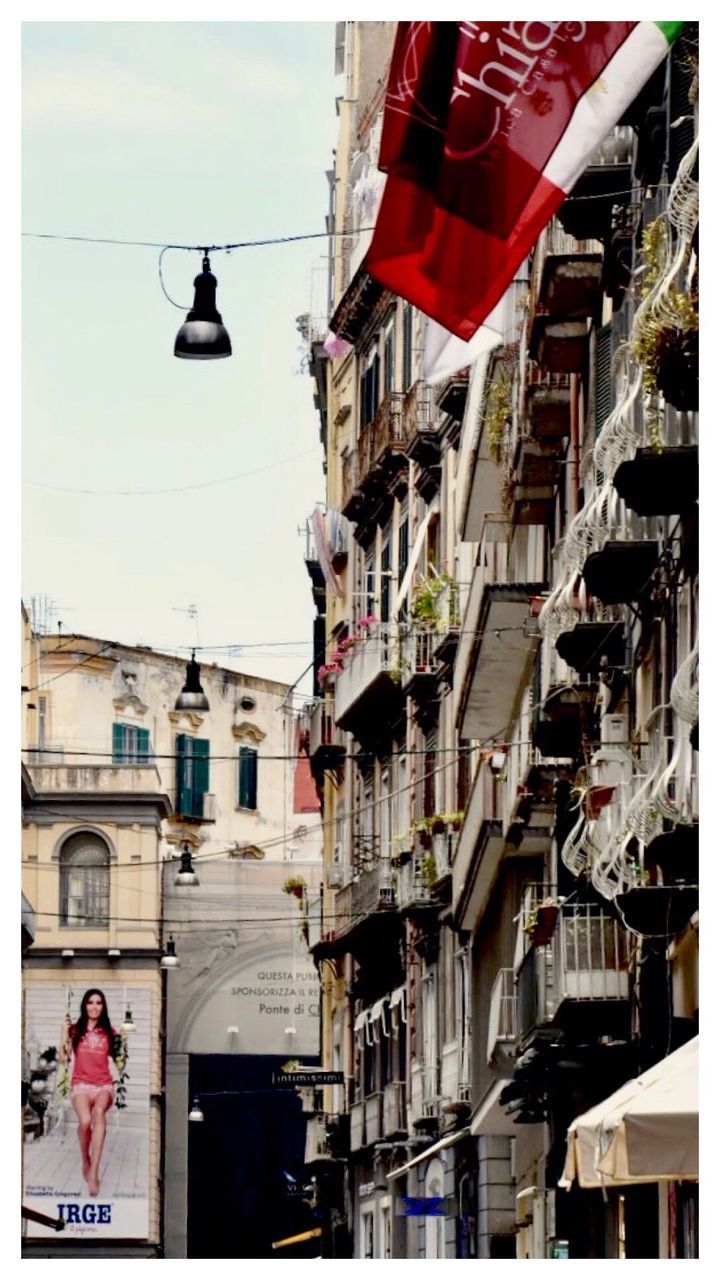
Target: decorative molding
(247, 730)
(184, 836)
(191, 718)
(130, 700)
(249, 851)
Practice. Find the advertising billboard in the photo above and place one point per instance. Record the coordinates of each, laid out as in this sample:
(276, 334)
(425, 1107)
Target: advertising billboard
(86, 1121)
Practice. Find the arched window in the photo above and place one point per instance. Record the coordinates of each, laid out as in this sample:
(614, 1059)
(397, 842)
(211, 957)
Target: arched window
(84, 881)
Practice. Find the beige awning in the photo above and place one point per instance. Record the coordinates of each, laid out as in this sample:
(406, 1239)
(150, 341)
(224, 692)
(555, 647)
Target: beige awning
(448, 1141)
(647, 1131)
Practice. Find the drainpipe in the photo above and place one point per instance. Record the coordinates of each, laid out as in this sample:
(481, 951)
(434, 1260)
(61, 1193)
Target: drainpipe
(572, 489)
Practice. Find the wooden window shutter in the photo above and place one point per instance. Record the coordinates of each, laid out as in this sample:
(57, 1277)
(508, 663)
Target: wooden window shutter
(143, 744)
(118, 743)
(200, 773)
(183, 774)
(247, 795)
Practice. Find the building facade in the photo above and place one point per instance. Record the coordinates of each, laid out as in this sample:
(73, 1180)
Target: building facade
(504, 735)
(119, 787)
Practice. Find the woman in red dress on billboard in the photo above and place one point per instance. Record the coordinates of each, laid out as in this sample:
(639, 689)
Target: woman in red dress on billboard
(90, 1041)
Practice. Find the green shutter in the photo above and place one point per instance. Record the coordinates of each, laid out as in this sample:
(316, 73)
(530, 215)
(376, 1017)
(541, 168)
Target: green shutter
(118, 743)
(247, 791)
(200, 774)
(183, 792)
(143, 745)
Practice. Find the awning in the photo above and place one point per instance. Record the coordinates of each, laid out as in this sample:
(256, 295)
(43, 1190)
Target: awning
(415, 553)
(448, 1141)
(647, 1131)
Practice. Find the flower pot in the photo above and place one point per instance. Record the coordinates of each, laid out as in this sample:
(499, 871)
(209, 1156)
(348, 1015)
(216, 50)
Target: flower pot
(544, 926)
(678, 368)
(596, 800)
(425, 839)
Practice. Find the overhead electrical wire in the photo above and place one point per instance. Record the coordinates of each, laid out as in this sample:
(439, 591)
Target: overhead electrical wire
(185, 488)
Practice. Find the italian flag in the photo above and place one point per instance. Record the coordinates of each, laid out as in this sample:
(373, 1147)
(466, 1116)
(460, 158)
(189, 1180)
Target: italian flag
(487, 127)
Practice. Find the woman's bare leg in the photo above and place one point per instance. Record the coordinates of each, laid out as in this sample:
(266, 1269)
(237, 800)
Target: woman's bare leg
(83, 1111)
(97, 1141)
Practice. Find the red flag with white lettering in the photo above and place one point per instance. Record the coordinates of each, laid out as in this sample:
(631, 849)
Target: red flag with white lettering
(487, 126)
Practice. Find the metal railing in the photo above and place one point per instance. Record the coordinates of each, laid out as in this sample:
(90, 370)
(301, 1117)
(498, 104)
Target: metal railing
(321, 725)
(370, 891)
(357, 1126)
(373, 1117)
(417, 408)
(417, 653)
(414, 881)
(377, 653)
(393, 1108)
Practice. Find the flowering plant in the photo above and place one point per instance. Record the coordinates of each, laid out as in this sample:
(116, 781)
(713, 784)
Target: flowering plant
(368, 620)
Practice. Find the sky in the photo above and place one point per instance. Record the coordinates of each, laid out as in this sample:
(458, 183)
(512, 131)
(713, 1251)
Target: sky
(174, 133)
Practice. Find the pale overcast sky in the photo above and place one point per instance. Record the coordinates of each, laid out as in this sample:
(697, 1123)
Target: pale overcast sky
(171, 132)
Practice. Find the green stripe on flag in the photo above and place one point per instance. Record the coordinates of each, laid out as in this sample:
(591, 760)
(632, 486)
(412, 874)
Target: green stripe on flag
(670, 30)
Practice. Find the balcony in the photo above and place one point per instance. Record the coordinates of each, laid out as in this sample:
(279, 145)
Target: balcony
(196, 809)
(425, 1097)
(660, 483)
(566, 274)
(566, 719)
(393, 1109)
(357, 1126)
(503, 640)
(450, 605)
(605, 184)
(502, 1023)
(547, 405)
(415, 883)
(419, 665)
(422, 428)
(577, 981)
(451, 394)
(316, 1144)
(96, 779)
(369, 679)
(325, 746)
(373, 1118)
(380, 452)
(365, 909)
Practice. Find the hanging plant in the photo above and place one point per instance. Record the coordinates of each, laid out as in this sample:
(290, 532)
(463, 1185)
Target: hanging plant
(664, 338)
(295, 886)
(497, 415)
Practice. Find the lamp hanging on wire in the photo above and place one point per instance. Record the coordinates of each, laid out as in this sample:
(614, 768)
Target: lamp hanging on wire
(186, 873)
(203, 336)
(196, 1114)
(192, 696)
(169, 958)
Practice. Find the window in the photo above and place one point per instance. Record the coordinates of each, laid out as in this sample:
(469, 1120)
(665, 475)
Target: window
(407, 369)
(389, 370)
(85, 881)
(385, 576)
(247, 792)
(130, 744)
(192, 774)
(42, 721)
(370, 584)
(369, 388)
(403, 553)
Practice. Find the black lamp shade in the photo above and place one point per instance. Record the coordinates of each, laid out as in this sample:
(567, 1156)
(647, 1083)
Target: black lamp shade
(203, 336)
(186, 873)
(192, 696)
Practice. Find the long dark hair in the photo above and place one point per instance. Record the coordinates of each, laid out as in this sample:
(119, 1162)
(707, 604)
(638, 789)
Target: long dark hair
(103, 1022)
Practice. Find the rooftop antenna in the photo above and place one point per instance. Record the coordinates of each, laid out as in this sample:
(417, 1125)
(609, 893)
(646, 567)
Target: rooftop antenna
(192, 612)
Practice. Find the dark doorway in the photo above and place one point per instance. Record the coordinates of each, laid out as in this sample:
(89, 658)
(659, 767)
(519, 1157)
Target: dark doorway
(245, 1161)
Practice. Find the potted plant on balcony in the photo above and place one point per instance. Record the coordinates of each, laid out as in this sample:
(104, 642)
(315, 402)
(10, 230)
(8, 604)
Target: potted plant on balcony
(428, 871)
(665, 334)
(295, 886)
(541, 922)
(422, 827)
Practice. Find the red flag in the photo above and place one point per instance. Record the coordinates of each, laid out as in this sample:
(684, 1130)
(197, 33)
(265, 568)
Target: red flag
(487, 126)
